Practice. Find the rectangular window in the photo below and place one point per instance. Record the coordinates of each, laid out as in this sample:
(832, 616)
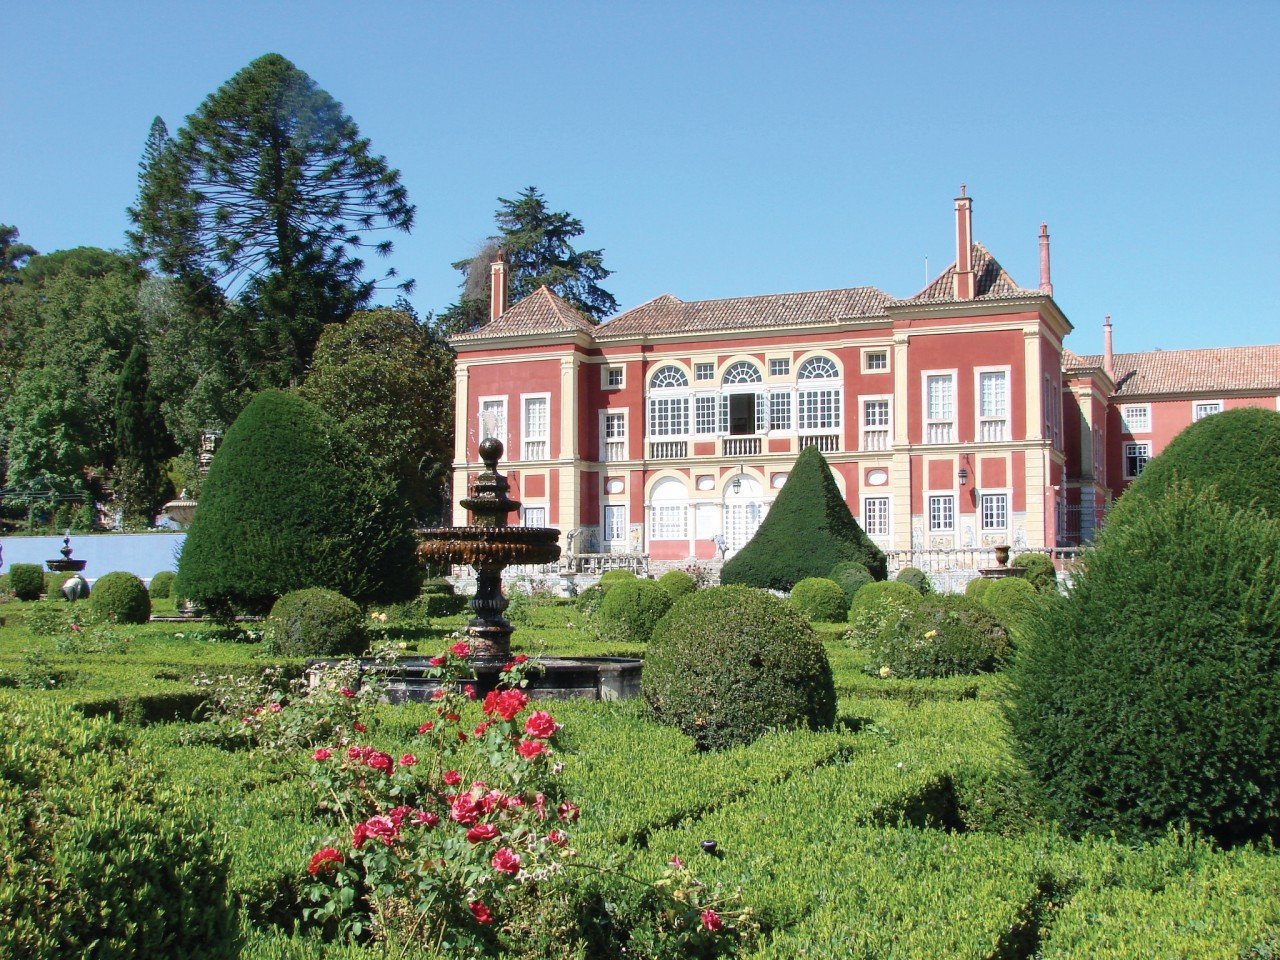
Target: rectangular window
(1205, 408)
(537, 423)
(939, 408)
(942, 514)
(875, 424)
(704, 415)
(669, 522)
(780, 410)
(668, 416)
(493, 419)
(615, 523)
(1136, 456)
(1136, 418)
(615, 436)
(993, 406)
(533, 516)
(614, 377)
(875, 516)
(995, 511)
(875, 361)
(704, 371)
(819, 409)
(779, 368)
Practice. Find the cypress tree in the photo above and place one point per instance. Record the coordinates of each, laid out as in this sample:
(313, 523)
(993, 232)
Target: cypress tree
(142, 442)
(808, 531)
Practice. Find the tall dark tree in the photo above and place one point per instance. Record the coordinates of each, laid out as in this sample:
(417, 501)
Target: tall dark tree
(269, 194)
(142, 442)
(535, 242)
(13, 254)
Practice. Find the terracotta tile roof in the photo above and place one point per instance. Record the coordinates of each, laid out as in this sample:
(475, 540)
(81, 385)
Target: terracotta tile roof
(540, 312)
(992, 283)
(669, 314)
(1194, 371)
(1072, 361)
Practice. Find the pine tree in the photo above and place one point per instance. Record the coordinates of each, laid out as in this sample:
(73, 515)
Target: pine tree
(142, 442)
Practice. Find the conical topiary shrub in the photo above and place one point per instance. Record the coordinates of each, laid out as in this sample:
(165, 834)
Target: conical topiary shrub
(291, 503)
(808, 530)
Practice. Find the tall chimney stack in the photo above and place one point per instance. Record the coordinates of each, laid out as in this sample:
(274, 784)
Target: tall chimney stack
(498, 285)
(965, 285)
(1046, 285)
(1108, 360)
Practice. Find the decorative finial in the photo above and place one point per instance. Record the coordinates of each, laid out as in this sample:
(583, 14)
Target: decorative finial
(491, 452)
(962, 193)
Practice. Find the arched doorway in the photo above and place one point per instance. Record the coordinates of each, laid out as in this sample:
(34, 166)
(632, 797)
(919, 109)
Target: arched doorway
(744, 510)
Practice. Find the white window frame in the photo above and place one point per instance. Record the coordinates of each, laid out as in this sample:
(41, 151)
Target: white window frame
(605, 439)
(524, 514)
(525, 438)
(868, 352)
(625, 526)
(863, 427)
(696, 425)
(679, 399)
(941, 495)
(785, 362)
(817, 387)
(791, 410)
(1126, 423)
(887, 535)
(707, 366)
(928, 421)
(978, 417)
(1196, 416)
(481, 403)
(982, 516)
(611, 368)
(1146, 454)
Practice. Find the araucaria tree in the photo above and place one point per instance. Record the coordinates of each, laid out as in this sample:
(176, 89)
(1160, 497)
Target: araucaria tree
(535, 243)
(267, 195)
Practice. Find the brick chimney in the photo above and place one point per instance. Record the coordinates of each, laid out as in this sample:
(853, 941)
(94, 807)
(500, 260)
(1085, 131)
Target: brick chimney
(964, 279)
(498, 286)
(1046, 285)
(1108, 360)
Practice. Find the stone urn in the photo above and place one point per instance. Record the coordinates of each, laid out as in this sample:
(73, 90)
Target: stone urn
(1002, 554)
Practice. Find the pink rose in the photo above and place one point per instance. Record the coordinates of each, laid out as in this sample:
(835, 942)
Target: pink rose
(506, 860)
(569, 812)
(481, 833)
(711, 921)
(530, 749)
(452, 778)
(425, 818)
(469, 691)
(275, 708)
(347, 692)
(465, 809)
(408, 760)
(540, 724)
(326, 858)
(321, 754)
(557, 839)
(381, 828)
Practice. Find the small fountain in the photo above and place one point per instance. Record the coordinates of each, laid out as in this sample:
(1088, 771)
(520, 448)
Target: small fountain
(75, 587)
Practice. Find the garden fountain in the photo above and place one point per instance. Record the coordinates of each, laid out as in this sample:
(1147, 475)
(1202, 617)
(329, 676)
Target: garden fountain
(75, 587)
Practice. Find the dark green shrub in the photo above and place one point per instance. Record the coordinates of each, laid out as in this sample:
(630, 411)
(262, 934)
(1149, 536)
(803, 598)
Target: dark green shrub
(589, 600)
(442, 604)
(162, 585)
(26, 580)
(677, 583)
(440, 585)
(730, 663)
(314, 623)
(1039, 571)
(977, 587)
(1237, 452)
(808, 529)
(1148, 695)
(1012, 601)
(631, 609)
(873, 596)
(852, 577)
(289, 503)
(942, 637)
(99, 857)
(121, 598)
(610, 577)
(916, 579)
(818, 599)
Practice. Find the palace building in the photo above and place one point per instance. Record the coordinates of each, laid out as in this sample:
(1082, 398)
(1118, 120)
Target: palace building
(951, 419)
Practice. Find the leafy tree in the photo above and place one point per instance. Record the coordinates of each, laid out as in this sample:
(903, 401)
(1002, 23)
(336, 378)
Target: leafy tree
(535, 244)
(12, 254)
(142, 442)
(389, 383)
(268, 193)
(47, 434)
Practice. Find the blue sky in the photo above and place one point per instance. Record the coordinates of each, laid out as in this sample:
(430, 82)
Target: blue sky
(725, 149)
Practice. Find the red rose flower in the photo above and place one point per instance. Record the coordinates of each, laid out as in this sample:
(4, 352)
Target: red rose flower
(321, 754)
(275, 708)
(505, 703)
(480, 912)
(519, 658)
(529, 749)
(569, 812)
(359, 727)
(452, 717)
(506, 860)
(506, 667)
(359, 835)
(408, 760)
(482, 832)
(452, 778)
(347, 692)
(381, 828)
(480, 729)
(324, 859)
(437, 695)
(257, 711)
(426, 727)
(437, 661)
(557, 839)
(425, 818)
(461, 649)
(711, 921)
(465, 809)
(380, 761)
(540, 724)
(540, 806)
(469, 691)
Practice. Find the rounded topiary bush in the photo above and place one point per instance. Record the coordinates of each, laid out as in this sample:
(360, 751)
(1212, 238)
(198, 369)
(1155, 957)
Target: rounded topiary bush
(677, 583)
(1149, 695)
(819, 600)
(588, 601)
(631, 609)
(916, 579)
(977, 588)
(1012, 601)
(874, 595)
(730, 663)
(852, 577)
(26, 580)
(315, 623)
(120, 597)
(162, 585)
(941, 637)
(99, 856)
(1039, 571)
(611, 577)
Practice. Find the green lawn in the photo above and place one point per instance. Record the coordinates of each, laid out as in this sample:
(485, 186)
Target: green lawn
(906, 832)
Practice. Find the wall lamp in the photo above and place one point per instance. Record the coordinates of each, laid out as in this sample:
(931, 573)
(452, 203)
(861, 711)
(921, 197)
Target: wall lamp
(736, 484)
(963, 472)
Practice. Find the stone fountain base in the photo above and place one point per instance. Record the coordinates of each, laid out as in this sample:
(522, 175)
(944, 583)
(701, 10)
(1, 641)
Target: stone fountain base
(559, 678)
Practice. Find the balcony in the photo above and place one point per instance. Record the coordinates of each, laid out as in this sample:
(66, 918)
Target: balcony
(741, 446)
(535, 450)
(668, 449)
(939, 433)
(875, 440)
(993, 431)
(615, 450)
(825, 442)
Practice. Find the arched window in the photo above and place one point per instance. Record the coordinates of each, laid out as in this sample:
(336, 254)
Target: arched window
(667, 378)
(670, 510)
(742, 372)
(818, 368)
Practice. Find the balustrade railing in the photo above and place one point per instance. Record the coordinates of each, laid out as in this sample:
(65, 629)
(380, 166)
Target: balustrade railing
(535, 450)
(825, 442)
(939, 433)
(875, 440)
(993, 431)
(615, 450)
(741, 446)
(668, 449)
